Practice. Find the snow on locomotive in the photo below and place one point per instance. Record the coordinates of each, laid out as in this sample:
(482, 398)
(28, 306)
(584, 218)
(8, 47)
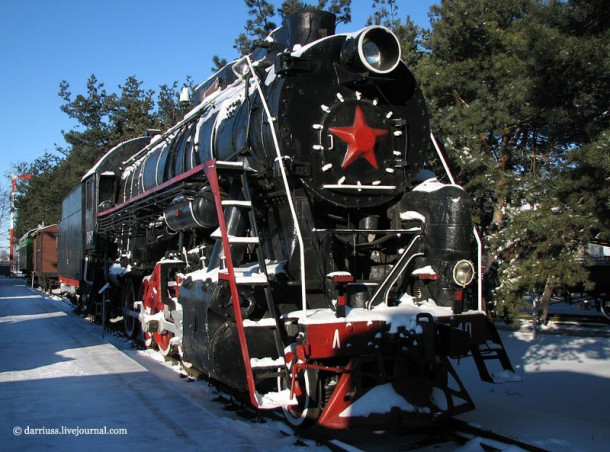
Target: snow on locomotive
(286, 238)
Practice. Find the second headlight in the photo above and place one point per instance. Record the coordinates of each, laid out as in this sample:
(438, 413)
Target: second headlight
(463, 273)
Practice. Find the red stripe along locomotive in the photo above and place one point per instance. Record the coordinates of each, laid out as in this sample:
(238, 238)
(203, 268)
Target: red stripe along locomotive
(287, 239)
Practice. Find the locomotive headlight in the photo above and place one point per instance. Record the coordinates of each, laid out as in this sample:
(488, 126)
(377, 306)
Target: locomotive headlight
(374, 49)
(372, 54)
(463, 273)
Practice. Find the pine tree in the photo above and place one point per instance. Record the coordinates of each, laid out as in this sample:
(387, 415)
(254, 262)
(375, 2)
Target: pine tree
(131, 113)
(219, 63)
(168, 109)
(517, 89)
(568, 49)
(584, 182)
(91, 112)
(340, 8)
(258, 27)
(476, 80)
(36, 199)
(103, 120)
(289, 7)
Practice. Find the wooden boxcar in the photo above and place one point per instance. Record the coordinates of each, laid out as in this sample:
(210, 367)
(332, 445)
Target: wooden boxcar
(45, 256)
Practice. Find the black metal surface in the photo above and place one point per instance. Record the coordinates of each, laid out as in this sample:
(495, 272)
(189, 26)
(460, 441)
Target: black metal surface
(310, 26)
(328, 95)
(70, 245)
(447, 229)
(210, 334)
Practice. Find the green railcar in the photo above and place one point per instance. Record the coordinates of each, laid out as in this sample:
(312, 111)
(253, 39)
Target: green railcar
(26, 253)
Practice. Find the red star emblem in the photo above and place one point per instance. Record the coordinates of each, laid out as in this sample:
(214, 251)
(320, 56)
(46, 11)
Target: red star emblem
(360, 139)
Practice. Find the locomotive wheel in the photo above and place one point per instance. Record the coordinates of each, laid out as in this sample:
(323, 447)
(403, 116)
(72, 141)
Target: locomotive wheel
(129, 297)
(146, 296)
(162, 340)
(308, 409)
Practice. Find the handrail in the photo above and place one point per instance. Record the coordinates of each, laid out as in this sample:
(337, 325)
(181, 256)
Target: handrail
(212, 175)
(280, 160)
(404, 261)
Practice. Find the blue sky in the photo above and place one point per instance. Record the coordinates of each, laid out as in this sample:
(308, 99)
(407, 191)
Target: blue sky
(43, 42)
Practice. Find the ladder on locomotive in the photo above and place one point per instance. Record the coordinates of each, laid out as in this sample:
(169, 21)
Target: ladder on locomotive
(256, 369)
(491, 350)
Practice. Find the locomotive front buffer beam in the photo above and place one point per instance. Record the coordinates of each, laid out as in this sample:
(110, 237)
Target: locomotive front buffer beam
(405, 368)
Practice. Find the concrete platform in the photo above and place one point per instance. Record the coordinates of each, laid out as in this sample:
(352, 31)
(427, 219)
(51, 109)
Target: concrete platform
(62, 387)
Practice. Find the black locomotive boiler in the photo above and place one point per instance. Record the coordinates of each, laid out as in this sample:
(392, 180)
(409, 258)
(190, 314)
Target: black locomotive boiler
(287, 238)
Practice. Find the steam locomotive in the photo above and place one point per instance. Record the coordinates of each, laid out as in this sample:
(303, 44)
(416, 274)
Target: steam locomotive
(288, 238)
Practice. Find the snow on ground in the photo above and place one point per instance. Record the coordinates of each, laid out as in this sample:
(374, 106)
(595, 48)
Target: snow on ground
(563, 402)
(57, 372)
(61, 385)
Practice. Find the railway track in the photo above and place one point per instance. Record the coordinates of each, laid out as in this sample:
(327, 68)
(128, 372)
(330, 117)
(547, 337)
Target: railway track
(443, 436)
(579, 318)
(577, 325)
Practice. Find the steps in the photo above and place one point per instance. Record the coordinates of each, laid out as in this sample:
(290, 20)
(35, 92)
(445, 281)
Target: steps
(257, 369)
(491, 349)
